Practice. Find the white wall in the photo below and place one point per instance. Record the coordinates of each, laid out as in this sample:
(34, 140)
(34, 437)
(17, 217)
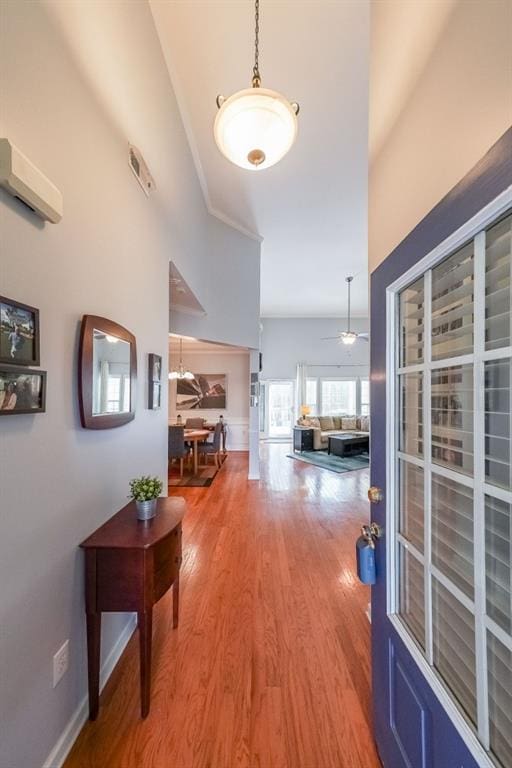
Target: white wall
(460, 105)
(80, 80)
(228, 287)
(288, 341)
(236, 367)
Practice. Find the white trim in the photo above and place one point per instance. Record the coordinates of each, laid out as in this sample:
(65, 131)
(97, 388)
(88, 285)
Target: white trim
(427, 471)
(479, 570)
(465, 729)
(450, 587)
(409, 546)
(450, 474)
(497, 354)
(411, 459)
(499, 633)
(70, 733)
(499, 493)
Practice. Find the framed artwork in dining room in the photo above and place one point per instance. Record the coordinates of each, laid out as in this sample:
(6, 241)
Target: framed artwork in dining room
(204, 391)
(19, 333)
(154, 382)
(22, 390)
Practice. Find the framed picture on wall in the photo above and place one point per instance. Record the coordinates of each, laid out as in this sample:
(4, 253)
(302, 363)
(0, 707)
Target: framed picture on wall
(19, 333)
(204, 391)
(154, 382)
(22, 390)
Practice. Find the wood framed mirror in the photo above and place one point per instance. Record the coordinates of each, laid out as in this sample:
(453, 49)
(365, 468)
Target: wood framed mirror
(107, 373)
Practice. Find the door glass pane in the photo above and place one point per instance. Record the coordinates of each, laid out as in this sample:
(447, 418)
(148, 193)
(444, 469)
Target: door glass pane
(338, 398)
(498, 556)
(411, 324)
(452, 418)
(452, 305)
(452, 531)
(453, 630)
(412, 504)
(412, 595)
(280, 405)
(498, 422)
(498, 295)
(499, 662)
(411, 414)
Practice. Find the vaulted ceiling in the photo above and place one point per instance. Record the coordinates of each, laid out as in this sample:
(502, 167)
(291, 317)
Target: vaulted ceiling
(310, 209)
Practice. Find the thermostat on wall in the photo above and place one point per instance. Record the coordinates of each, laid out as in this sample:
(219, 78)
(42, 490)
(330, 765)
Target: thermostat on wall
(24, 181)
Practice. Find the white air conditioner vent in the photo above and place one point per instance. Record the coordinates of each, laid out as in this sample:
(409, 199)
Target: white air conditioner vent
(140, 169)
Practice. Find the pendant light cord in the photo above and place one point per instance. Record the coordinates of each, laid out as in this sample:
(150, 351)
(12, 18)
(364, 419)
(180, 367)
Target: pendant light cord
(256, 78)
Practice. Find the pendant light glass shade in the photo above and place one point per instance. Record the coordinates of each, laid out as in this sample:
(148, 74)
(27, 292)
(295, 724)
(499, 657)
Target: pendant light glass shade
(181, 373)
(255, 128)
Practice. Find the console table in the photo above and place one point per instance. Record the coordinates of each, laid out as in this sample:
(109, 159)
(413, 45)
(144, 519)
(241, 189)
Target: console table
(129, 565)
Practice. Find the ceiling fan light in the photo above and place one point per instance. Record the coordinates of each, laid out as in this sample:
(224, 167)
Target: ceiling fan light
(348, 337)
(255, 128)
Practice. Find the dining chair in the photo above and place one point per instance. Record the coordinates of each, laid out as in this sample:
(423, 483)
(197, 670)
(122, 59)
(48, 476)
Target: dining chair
(213, 448)
(177, 447)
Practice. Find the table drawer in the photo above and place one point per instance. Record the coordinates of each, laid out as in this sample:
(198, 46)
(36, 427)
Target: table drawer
(167, 549)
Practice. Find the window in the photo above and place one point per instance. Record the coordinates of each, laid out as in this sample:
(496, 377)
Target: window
(338, 397)
(312, 395)
(454, 434)
(365, 397)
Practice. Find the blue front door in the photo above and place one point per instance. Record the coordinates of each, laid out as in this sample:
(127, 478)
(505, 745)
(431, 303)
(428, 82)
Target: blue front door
(441, 376)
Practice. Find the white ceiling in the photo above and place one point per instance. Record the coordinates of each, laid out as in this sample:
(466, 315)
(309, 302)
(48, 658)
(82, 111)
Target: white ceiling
(311, 208)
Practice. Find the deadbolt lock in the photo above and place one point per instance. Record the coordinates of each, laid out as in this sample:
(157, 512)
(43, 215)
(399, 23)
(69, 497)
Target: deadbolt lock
(375, 494)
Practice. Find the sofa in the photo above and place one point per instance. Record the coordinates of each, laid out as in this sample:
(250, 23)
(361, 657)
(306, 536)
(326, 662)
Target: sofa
(324, 426)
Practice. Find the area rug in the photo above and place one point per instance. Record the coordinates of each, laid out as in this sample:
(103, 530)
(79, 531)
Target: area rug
(331, 462)
(204, 477)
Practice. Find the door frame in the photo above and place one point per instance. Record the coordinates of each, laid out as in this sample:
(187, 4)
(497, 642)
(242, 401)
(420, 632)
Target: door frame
(465, 233)
(475, 201)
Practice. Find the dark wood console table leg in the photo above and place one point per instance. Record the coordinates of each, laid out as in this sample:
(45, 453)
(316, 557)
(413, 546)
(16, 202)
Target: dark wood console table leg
(175, 601)
(93, 662)
(145, 621)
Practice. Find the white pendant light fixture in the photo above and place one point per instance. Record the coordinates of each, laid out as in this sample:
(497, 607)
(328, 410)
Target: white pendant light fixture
(181, 373)
(256, 127)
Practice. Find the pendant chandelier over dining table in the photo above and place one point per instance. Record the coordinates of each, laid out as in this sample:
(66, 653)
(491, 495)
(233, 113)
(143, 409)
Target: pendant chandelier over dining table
(181, 373)
(256, 127)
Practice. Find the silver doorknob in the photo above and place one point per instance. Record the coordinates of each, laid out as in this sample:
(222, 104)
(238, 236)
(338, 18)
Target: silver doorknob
(375, 494)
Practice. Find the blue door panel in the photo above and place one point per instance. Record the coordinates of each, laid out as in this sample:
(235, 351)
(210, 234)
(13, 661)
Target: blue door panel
(409, 717)
(412, 729)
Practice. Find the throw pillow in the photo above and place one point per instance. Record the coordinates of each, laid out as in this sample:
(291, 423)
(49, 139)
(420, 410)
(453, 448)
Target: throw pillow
(314, 422)
(365, 423)
(325, 423)
(349, 422)
(337, 422)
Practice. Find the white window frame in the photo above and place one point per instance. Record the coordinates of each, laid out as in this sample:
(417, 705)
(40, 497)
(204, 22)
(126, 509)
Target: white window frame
(472, 229)
(355, 379)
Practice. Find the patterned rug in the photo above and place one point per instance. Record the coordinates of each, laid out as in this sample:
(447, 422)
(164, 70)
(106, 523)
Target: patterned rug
(204, 477)
(331, 462)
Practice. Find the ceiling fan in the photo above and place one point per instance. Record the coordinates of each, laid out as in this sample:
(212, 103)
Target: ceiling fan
(348, 336)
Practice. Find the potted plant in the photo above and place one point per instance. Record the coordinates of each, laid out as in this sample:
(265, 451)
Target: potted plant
(145, 491)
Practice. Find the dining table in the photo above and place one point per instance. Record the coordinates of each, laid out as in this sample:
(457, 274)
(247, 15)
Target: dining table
(196, 436)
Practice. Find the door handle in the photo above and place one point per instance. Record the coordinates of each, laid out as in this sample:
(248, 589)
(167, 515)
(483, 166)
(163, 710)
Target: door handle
(371, 532)
(375, 494)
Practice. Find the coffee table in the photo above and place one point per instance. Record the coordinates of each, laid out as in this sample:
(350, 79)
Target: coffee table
(348, 445)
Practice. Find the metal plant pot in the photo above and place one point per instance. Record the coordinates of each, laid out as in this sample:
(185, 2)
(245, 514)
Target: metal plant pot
(146, 509)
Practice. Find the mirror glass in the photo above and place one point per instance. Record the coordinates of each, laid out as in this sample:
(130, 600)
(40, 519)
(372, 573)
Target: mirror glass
(111, 374)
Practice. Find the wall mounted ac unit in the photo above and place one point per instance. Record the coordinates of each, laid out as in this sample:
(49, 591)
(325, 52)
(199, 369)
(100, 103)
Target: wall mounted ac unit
(23, 180)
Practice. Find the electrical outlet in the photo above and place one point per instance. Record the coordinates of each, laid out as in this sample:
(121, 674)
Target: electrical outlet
(60, 663)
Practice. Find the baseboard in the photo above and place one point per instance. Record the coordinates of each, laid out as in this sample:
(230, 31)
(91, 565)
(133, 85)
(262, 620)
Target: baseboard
(70, 733)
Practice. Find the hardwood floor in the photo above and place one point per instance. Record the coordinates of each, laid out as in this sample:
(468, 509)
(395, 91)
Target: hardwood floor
(269, 667)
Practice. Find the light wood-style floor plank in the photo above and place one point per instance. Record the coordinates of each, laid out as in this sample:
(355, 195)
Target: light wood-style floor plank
(270, 665)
